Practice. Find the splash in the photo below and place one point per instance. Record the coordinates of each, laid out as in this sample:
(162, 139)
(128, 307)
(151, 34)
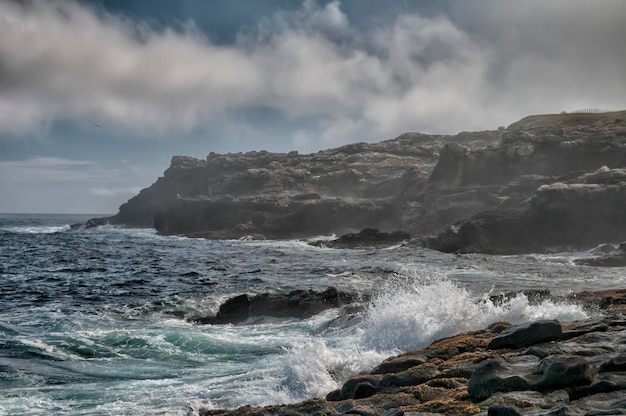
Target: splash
(421, 304)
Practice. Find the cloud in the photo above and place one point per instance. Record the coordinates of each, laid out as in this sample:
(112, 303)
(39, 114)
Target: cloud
(47, 169)
(117, 192)
(480, 67)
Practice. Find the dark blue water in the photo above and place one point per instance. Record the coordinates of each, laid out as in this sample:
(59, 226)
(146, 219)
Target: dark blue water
(95, 321)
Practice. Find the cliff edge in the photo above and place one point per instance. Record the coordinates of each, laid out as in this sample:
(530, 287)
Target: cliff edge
(545, 182)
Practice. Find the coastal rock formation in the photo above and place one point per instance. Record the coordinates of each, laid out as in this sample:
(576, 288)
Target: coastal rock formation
(554, 182)
(366, 238)
(288, 195)
(295, 304)
(539, 368)
(549, 182)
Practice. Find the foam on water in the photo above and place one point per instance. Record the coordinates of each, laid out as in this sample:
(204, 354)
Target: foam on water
(422, 305)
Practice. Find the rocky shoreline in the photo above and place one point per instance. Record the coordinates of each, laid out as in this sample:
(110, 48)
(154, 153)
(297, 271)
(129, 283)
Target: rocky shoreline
(537, 368)
(544, 183)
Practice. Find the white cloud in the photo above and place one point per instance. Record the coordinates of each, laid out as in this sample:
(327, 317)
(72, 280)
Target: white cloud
(60, 59)
(47, 169)
(117, 192)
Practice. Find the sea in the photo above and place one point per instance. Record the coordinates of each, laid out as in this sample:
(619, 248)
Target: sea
(97, 321)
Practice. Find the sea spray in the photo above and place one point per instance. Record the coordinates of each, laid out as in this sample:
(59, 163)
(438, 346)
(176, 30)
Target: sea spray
(420, 304)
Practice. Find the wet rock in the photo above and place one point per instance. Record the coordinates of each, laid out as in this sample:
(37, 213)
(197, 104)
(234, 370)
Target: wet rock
(495, 375)
(525, 335)
(398, 364)
(295, 304)
(367, 238)
(459, 375)
(563, 371)
(611, 256)
(503, 410)
(412, 377)
(585, 327)
(617, 363)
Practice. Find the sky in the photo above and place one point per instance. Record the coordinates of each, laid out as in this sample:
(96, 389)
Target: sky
(97, 96)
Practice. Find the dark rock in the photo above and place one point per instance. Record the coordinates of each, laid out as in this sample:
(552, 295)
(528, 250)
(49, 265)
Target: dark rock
(350, 387)
(295, 304)
(335, 396)
(563, 371)
(364, 389)
(525, 335)
(495, 375)
(234, 309)
(585, 327)
(617, 363)
(414, 376)
(369, 237)
(604, 383)
(503, 410)
(609, 256)
(298, 303)
(398, 364)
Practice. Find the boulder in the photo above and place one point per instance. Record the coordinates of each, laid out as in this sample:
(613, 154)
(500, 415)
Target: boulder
(563, 371)
(525, 335)
(366, 238)
(295, 304)
(495, 375)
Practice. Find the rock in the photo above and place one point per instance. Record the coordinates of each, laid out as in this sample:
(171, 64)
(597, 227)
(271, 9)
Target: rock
(398, 364)
(295, 304)
(611, 256)
(414, 376)
(350, 387)
(563, 371)
(503, 382)
(617, 363)
(366, 238)
(525, 335)
(503, 410)
(548, 182)
(291, 195)
(495, 375)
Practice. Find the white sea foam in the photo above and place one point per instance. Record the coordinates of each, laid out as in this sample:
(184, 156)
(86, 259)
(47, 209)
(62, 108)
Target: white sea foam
(36, 229)
(312, 368)
(422, 305)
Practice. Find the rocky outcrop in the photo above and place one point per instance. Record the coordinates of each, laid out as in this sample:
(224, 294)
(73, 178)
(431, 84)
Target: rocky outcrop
(554, 182)
(295, 304)
(582, 212)
(539, 368)
(366, 238)
(549, 182)
(288, 195)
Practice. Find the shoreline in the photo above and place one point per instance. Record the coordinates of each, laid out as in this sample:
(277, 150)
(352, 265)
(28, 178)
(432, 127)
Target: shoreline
(535, 368)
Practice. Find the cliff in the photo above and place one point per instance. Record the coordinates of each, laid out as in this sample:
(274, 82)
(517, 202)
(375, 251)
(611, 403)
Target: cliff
(554, 182)
(544, 182)
(288, 195)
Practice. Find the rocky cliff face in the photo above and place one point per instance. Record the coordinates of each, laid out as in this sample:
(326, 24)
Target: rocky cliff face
(554, 182)
(272, 195)
(551, 181)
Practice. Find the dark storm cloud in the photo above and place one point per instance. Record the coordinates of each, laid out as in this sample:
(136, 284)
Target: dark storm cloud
(474, 65)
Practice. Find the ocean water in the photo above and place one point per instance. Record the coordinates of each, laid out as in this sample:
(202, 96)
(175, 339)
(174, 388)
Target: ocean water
(93, 322)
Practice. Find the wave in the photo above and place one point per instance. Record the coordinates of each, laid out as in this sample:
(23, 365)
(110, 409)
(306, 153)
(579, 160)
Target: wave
(413, 309)
(421, 305)
(35, 229)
